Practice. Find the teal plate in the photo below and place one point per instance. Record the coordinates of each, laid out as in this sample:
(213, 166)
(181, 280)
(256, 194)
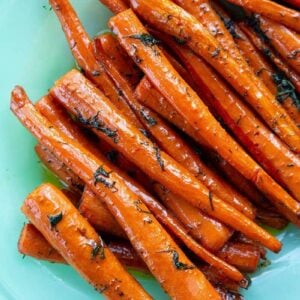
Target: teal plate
(34, 53)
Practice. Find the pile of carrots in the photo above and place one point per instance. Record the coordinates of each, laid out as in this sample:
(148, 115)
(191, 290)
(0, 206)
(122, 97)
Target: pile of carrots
(176, 140)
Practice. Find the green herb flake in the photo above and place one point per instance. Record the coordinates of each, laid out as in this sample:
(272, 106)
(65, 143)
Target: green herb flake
(103, 172)
(55, 219)
(138, 203)
(146, 39)
(216, 52)
(158, 157)
(178, 264)
(112, 156)
(149, 119)
(98, 250)
(180, 41)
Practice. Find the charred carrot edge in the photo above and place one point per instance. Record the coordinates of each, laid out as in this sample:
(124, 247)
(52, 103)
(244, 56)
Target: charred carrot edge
(244, 256)
(148, 156)
(264, 146)
(59, 169)
(271, 218)
(50, 211)
(147, 236)
(212, 234)
(115, 6)
(294, 3)
(184, 26)
(285, 41)
(272, 10)
(83, 51)
(176, 147)
(261, 67)
(96, 212)
(32, 243)
(112, 48)
(183, 98)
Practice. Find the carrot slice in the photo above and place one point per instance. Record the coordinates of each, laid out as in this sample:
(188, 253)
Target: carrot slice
(186, 101)
(167, 17)
(116, 6)
(57, 219)
(272, 10)
(147, 236)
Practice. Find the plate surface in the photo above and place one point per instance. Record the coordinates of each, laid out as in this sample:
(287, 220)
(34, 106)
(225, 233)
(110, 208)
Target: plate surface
(34, 53)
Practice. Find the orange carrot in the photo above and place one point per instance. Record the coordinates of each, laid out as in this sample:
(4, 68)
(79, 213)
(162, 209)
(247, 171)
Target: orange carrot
(83, 51)
(72, 236)
(146, 155)
(98, 215)
(186, 101)
(176, 147)
(147, 236)
(272, 10)
(285, 41)
(271, 218)
(111, 47)
(170, 18)
(115, 6)
(264, 146)
(212, 234)
(32, 243)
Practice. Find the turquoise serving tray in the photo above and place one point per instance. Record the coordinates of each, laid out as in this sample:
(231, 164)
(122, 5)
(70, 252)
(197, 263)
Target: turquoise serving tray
(34, 53)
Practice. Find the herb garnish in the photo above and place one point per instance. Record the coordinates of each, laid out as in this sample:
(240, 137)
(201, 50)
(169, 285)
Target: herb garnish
(178, 264)
(98, 249)
(210, 197)
(112, 156)
(158, 158)
(150, 120)
(179, 41)
(100, 176)
(103, 172)
(145, 132)
(216, 52)
(230, 26)
(97, 124)
(254, 22)
(137, 204)
(146, 39)
(55, 219)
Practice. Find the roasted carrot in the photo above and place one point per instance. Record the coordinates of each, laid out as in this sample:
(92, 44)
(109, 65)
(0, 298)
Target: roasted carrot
(98, 215)
(176, 147)
(115, 6)
(127, 27)
(272, 10)
(271, 218)
(212, 234)
(146, 235)
(72, 236)
(264, 146)
(295, 3)
(171, 19)
(147, 155)
(59, 169)
(112, 48)
(32, 243)
(83, 51)
(284, 40)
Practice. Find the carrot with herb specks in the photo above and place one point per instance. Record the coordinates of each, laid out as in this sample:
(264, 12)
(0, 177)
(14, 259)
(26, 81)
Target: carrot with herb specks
(72, 236)
(148, 237)
(115, 6)
(169, 18)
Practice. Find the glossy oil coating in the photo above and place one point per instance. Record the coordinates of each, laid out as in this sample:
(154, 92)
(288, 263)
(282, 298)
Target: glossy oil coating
(76, 241)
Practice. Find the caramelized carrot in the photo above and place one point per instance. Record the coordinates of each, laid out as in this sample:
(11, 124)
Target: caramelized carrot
(96, 212)
(170, 18)
(115, 6)
(271, 218)
(264, 146)
(176, 147)
(83, 51)
(272, 10)
(284, 40)
(157, 164)
(147, 236)
(186, 101)
(72, 236)
(212, 234)
(111, 47)
(32, 243)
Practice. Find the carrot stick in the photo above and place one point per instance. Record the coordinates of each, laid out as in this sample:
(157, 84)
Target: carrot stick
(71, 235)
(147, 236)
(98, 215)
(112, 48)
(272, 10)
(115, 6)
(148, 156)
(176, 147)
(271, 218)
(212, 234)
(264, 146)
(285, 41)
(260, 66)
(83, 51)
(186, 27)
(32, 243)
(179, 94)
(244, 256)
